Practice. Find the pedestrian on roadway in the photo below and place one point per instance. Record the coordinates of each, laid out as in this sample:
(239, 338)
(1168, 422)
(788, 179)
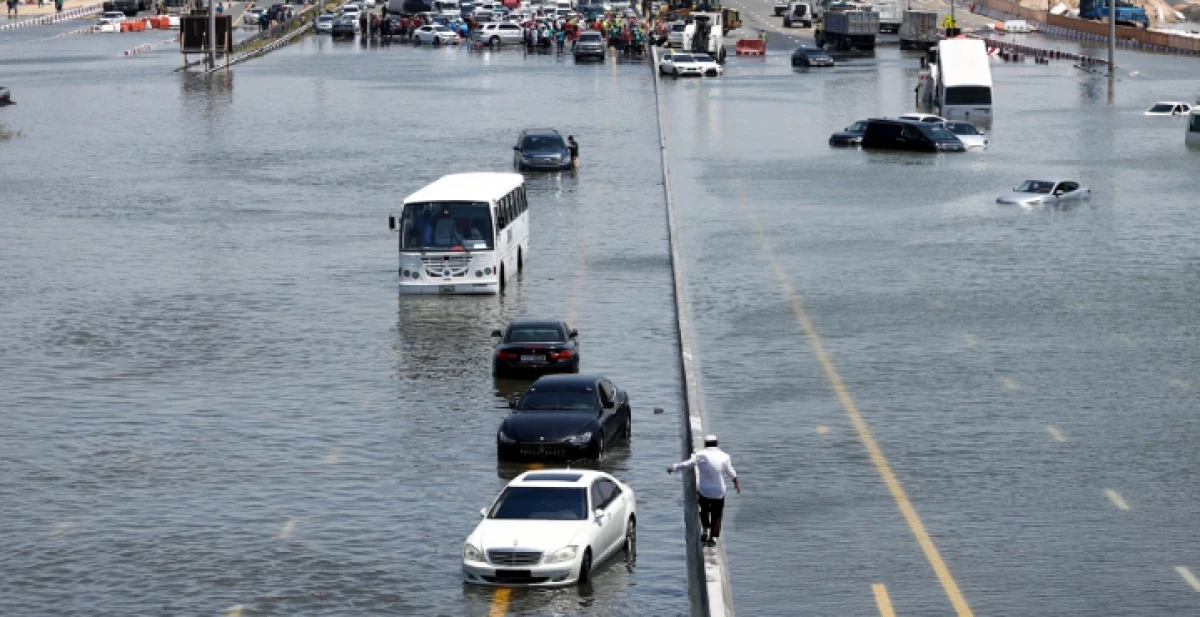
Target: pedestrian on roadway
(714, 465)
(573, 146)
(12, 9)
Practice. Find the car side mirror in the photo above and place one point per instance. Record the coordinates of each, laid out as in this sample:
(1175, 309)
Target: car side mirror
(573, 333)
(599, 513)
(483, 512)
(497, 333)
(392, 223)
(516, 148)
(512, 403)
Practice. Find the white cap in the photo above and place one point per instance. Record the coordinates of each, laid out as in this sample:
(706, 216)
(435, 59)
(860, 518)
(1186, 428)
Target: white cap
(710, 439)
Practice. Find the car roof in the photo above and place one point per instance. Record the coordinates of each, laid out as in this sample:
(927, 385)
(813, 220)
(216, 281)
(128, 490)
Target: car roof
(567, 380)
(1054, 179)
(539, 132)
(532, 322)
(575, 478)
(1171, 103)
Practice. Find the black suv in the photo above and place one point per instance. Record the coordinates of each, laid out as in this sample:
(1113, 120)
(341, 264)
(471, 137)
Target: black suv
(811, 56)
(541, 149)
(888, 134)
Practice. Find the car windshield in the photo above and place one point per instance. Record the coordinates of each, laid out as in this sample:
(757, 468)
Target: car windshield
(589, 38)
(1036, 186)
(678, 27)
(857, 127)
(1162, 107)
(344, 20)
(535, 334)
(962, 128)
(682, 59)
(441, 28)
(558, 400)
(325, 18)
(816, 53)
(542, 143)
(541, 503)
(446, 225)
(936, 132)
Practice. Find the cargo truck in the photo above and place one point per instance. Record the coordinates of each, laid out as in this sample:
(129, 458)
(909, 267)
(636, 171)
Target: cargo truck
(889, 16)
(844, 30)
(919, 30)
(1127, 14)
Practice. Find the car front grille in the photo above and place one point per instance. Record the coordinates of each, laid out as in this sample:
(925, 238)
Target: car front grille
(436, 266)
(543, 449)
(513, 557)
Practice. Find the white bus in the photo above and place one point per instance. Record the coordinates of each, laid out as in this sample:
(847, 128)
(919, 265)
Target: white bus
(964, 80)
(463, 234)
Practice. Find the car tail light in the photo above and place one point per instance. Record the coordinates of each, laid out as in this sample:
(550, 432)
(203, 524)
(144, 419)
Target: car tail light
(506, 355)
(561, 355)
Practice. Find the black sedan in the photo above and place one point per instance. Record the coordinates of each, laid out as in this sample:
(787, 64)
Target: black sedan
(811, 56)
(565, 417)
(535, 346)
(850, 136)
(344, 26)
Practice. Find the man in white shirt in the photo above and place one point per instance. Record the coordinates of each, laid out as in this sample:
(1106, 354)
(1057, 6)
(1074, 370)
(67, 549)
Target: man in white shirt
(714, 465)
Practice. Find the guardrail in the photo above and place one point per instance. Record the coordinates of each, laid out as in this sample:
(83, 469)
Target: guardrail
(1088, 30)
(75, 13)
(707, 572)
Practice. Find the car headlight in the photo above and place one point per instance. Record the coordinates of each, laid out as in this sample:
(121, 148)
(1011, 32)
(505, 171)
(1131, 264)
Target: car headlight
(566, 553)
(470, 553)
(581, 438)
(505, 438)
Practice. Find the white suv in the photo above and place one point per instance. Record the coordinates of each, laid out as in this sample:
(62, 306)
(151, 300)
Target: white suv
(499, 34)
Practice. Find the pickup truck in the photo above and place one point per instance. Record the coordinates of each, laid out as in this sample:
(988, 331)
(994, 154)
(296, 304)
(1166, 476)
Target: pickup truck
(781, 7)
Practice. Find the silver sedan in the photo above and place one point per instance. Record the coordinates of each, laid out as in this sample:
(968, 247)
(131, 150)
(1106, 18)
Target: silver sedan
(1044, 192)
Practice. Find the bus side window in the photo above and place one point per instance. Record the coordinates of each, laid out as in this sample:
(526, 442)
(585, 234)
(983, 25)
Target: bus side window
(521, 197)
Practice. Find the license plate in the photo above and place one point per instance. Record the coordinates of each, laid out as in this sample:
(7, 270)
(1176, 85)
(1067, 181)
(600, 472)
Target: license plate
(533, 358)
(511, 574)
(446, 289)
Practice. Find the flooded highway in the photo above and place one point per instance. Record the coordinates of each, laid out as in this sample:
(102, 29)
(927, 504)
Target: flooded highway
(215, 396)
(965, 407)
(216, 401)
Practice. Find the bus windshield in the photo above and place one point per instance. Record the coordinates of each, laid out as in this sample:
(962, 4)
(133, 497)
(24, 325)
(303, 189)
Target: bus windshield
(446, 226)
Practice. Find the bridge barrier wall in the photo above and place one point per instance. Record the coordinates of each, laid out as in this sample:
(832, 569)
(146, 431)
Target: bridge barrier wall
(707, 571)
(1061, 25)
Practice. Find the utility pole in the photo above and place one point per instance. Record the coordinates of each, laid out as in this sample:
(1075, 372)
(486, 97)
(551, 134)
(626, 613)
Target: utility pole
(1112, 37)
(211, 58)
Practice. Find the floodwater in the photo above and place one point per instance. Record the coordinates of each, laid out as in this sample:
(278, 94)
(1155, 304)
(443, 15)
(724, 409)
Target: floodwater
(214, 396)
(1028, 375)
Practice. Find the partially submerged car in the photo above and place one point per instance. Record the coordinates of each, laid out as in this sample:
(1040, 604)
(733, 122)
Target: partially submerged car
(1169, 109)
(849, 136)
(811, 56)
(972, 138)
(1046, 191)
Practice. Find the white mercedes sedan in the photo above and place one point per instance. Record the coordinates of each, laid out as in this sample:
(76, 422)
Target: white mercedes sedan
(551, 527)
(1039, 192)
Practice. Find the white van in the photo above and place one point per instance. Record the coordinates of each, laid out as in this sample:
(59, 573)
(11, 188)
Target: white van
(1192, 137)
(964, 80)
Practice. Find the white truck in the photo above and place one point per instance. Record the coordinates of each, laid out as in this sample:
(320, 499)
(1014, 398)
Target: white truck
(705, 34)
(919, 30)
(889, 16)
(780, 7)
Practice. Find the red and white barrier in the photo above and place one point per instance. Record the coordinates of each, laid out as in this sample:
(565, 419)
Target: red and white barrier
(141, 49)
(75, 13)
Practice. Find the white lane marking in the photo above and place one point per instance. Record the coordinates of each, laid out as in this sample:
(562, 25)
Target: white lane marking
(1055, 433)
(1124, 338)
(235, 611)
(969, 339)
(1188, 577)
(1116, 499)
(1010, 383)
(62, 528)
(334, 456)
(1182, 384)
(821, 430)
(289, 525)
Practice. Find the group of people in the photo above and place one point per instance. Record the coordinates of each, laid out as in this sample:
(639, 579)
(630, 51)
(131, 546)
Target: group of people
(14, 7)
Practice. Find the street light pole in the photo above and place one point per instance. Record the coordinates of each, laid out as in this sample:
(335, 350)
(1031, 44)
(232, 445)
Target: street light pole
(211, 58)
(1112, 36)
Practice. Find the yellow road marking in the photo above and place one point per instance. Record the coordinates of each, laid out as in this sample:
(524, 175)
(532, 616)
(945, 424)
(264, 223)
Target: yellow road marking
(289, 525)
(1010, 383)
(1188, 577)
(821, 430)
(882, 599)
(334, 456)
(970, 340)
(864, 433)
(937, 304)
(500, 602)
(234, 611)
(1182, 384)
(533, 466)
(1116, 499)
(62, 528)
(1055, 433)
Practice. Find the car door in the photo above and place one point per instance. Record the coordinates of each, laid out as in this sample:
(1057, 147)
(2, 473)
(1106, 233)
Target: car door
(612, 507)
(511, 33)
(601, 537)
(609, 418)
(1070, 190)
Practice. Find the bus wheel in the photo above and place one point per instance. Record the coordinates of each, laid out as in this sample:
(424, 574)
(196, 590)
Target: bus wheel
(520, 261)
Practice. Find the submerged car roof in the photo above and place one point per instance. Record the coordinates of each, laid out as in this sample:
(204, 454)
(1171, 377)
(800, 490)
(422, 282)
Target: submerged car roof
(557, 477)
(566, 382)
(535, 322)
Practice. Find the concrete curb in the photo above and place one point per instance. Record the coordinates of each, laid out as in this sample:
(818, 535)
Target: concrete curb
(708, 574)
